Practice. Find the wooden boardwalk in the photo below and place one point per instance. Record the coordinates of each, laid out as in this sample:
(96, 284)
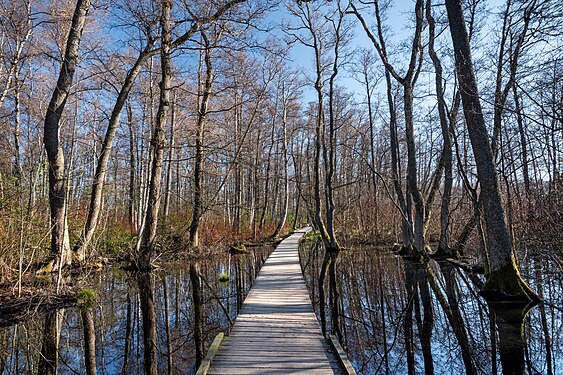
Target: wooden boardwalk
(276, 331)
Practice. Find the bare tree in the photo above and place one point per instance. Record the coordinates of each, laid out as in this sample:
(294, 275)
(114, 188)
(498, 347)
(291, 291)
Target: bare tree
(60, 247)
(414, 238)
(146, 242)
(286, 97)
(198, 208)
(102, 166)
(504, 278)
(447, 153)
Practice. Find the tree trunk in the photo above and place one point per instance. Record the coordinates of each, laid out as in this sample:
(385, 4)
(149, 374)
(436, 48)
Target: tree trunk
(330, 160)
(17, 114)
(101, 169)
(197, 211)
(146, 298)
(504, 278)
(447, 156)
(132, 199)
(404, 200)
(148, 235)
(195, 278)
(89, 341)
(514, 51)
(523, 141)
(269, 163)
(60, 248)
(171, 154)
(285, 156)
(371, 141)
(319, 138)
(95, 206)
(412, 174)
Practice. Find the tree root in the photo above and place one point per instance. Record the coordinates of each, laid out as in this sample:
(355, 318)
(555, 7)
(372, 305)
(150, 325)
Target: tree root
(506, 285)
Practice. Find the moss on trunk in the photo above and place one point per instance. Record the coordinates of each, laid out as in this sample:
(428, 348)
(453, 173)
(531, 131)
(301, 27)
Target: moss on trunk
(410, 252)
(506, 284)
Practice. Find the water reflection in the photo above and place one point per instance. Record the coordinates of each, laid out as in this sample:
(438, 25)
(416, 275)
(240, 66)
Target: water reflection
(510, 327)
(195, 277)
(148, 322)
(89, 340)
(152, 323)
(50, 343)
(403, 317)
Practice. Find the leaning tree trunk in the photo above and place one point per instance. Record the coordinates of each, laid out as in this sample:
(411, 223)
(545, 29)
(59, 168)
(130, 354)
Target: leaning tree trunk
(102, 166)
(504, 277)
(60, 248)
(148, 235)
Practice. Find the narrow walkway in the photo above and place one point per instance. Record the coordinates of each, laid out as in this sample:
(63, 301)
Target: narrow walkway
(276, 331)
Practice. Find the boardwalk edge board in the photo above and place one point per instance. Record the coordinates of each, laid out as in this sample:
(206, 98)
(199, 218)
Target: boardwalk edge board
(342, 357)
(213, 349)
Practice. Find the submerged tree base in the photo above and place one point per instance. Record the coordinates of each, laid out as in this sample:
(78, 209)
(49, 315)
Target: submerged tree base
(52, 265)
(444, 252)
(410, 252)
(506, 284)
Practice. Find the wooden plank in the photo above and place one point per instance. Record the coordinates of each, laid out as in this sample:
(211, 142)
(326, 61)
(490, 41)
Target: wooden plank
(276, 331)
(342, 357)
(266, 369)
(261, 371)
(204, 367)
(244, 350)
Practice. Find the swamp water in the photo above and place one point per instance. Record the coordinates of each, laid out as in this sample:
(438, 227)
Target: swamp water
(181, 310)
(393, 317)
(400, 317)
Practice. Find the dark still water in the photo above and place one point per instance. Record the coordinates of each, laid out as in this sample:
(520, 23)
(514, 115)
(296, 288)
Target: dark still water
(393, 317)
(401, 317)
(181, 308)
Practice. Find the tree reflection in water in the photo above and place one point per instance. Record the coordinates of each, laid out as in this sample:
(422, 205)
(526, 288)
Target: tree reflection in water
(144, 323)
(403, 317)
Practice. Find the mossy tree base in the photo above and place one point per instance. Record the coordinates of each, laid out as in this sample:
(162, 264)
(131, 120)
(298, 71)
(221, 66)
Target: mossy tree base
(239, 249)
(506, 284)
(410, 252)
(45, 269)
(444, 253)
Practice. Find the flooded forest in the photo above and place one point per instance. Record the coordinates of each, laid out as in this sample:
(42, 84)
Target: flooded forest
(154, 153)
